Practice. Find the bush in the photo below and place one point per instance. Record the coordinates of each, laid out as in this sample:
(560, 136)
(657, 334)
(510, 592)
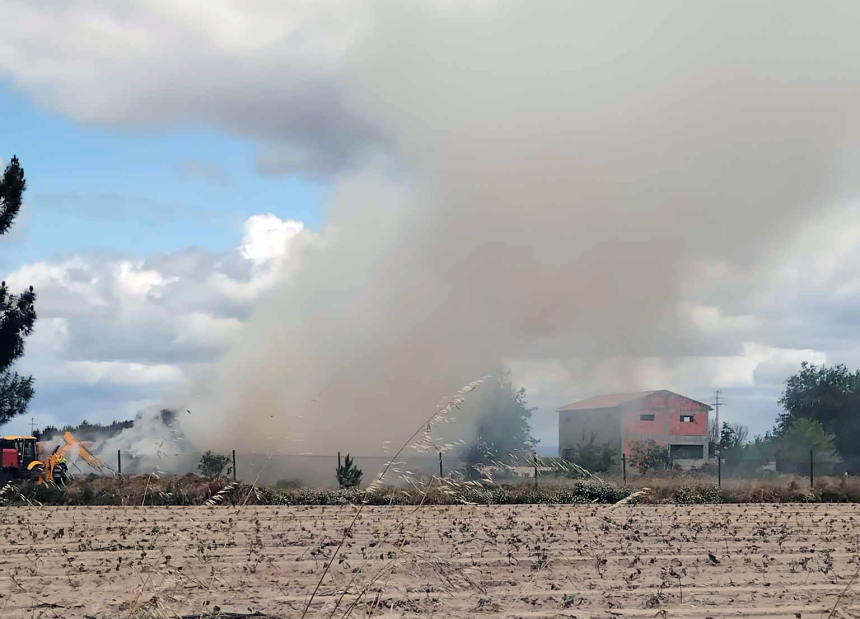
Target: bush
(48, 493)
(583, 492)
(831, 494)
(697, 495)
(594, 458)
(649, 455)
(212, 465)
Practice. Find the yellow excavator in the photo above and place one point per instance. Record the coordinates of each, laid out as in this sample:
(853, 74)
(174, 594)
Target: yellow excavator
(55, 467)
(21, 459)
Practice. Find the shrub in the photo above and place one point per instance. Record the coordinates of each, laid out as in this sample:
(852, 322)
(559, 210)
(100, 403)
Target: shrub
(212, 465)
(594, 458)
(697, 495)
(649, 455)
(583, 492)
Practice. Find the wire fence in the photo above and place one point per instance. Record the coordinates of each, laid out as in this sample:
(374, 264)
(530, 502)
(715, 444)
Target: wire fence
(294, 470)
(285, 469)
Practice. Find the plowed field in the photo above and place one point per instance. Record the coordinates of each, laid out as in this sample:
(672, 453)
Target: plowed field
(516, 561)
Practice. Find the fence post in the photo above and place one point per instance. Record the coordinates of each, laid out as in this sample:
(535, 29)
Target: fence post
(811, 471)
(440, 465)
(719, 469)
(338, 459)
(234, 465)
(119, 462)
(624, 467)
(534, 455)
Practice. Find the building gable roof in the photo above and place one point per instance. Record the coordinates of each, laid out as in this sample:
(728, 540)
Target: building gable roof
(613, 400)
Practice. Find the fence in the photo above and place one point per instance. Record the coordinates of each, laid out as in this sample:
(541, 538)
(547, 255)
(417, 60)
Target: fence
(319, 470)
(804, 463)
(286, 469)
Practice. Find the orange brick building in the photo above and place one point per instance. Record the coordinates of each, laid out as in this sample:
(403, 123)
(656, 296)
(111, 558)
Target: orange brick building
(668, 418)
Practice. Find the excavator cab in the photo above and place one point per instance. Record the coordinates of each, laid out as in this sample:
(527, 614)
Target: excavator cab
(53, 468)
(16, 455)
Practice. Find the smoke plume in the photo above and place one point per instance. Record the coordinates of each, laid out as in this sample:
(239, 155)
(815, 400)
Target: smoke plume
(555, 178)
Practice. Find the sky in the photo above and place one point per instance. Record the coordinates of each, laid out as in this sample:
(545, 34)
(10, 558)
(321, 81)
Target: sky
(102, 201)
(182, 159)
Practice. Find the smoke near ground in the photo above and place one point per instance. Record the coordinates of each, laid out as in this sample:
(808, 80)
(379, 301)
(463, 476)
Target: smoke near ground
(557, 179)
(151, 442)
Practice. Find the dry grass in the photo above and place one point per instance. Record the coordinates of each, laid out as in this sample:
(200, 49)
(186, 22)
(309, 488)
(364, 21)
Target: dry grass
(781, 489)
(194, 490)
(141, 490)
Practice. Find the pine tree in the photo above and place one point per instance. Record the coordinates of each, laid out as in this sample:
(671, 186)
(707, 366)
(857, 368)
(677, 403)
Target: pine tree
(17, 312)
(348, 475)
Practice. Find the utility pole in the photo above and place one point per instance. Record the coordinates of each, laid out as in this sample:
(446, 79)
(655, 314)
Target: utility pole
(719, 400)
(31, 426)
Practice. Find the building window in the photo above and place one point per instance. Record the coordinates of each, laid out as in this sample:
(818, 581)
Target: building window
(687, 418)
(686, 452)
(646, 417)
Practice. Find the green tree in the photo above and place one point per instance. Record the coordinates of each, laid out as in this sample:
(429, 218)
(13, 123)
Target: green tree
(17, 312)
(742, 457)
(732, 440)
(85, 431)
(792, 448)
(212, 465)
(593, 457)
(503, 432)
(348, 475)
(649, 455)
(831, 396)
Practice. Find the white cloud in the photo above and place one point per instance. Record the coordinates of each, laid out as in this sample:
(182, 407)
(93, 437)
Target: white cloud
(134, 281)
(117, 331)
(122, 373)
(203, 329)
(711, 320)
(73, 275)
(268, 236)
(50, 338)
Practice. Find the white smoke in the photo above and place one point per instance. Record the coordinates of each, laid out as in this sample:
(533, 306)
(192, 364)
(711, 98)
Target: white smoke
(557, 177)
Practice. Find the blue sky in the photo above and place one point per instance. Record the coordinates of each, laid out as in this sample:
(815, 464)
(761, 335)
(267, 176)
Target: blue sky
(108, 193)
(113, 188)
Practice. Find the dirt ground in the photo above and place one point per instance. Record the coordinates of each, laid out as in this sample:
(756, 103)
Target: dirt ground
(471, 561)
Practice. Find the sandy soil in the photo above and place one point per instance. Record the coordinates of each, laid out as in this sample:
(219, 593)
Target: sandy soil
(471, 561)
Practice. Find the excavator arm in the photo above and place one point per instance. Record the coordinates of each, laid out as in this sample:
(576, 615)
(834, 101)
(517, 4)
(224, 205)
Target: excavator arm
(45, 468)
(89, 458)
